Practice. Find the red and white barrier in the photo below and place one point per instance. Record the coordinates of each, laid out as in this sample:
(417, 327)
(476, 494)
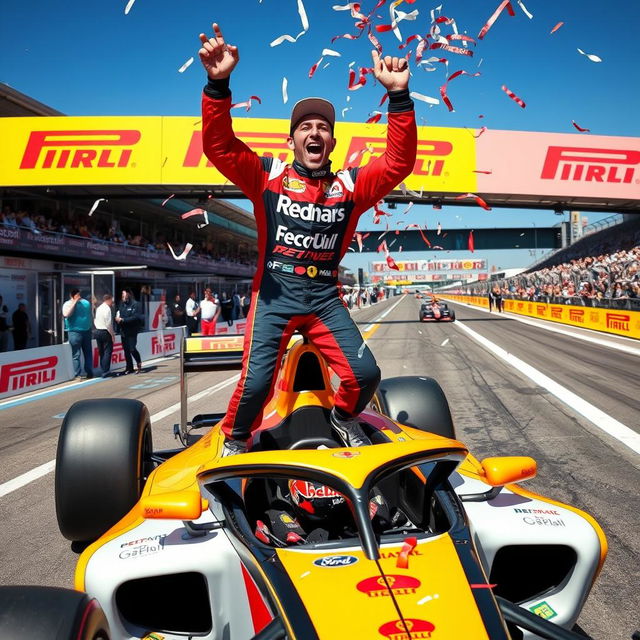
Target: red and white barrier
(33, 369)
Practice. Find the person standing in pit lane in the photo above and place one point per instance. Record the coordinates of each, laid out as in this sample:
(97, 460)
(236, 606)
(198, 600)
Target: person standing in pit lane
(105, 336)
(306, 216)
(131, 321)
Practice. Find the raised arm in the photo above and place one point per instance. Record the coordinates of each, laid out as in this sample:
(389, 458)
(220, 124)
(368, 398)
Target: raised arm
(228, 154)
(382, 174)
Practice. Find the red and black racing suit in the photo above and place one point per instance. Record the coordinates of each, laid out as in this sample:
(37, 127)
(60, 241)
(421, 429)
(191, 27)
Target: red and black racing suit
(306, 220)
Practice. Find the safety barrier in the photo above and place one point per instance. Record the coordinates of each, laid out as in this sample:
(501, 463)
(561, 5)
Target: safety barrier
(33, 369)
(620, 322)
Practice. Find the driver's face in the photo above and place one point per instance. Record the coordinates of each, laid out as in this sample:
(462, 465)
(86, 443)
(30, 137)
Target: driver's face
(312, 141)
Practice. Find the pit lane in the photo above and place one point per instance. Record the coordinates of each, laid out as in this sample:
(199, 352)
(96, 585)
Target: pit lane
(496, 409)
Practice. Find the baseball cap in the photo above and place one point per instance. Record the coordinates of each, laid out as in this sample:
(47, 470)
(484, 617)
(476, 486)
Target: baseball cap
(307, 106)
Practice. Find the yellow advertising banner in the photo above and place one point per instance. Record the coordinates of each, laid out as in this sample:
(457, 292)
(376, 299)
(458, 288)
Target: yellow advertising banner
(621, 322)
(158, 150)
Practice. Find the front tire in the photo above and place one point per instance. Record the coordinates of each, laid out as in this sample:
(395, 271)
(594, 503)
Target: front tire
(102, 462)
(49, 613)
(418, 402)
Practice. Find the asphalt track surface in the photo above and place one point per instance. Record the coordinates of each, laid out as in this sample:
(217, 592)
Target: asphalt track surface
(497, 411)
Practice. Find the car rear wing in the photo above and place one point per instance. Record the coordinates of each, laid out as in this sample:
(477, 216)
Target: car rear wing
(204, 353)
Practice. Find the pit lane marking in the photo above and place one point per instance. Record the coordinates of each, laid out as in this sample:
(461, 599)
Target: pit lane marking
(373, 327)
(48, 467)
(599, 418)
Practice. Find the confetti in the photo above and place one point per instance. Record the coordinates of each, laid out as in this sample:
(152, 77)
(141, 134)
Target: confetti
(556, 28)
(514, 97)
(128, 7)
(439, 231)
(578, 127)
(246, 103)
(362, 80)
(391, 263)
(193, 212)
(285, 96)
(419, 96)
(186, 65)
(487, 173)
(504, 4)
(591, 56)
(206, 221)
(482, 130)
(524, 9)
(451, 49)
(95, 205)
(445, 342)
(345, 111)
(443, 88)
(374, 118)
(408, 208)
(305, 27)
(403, 557)
(184, 254)
(167, 199)
(477, 198)
(470, 243)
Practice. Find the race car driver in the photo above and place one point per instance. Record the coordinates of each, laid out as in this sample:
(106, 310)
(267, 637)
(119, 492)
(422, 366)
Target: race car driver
(306, 216)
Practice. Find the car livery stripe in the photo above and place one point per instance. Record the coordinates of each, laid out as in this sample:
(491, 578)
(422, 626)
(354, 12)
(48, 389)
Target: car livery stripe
(260, 614)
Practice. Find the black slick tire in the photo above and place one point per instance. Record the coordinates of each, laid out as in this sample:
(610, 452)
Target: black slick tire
(102, 462)
(417, 401)
(50, 613)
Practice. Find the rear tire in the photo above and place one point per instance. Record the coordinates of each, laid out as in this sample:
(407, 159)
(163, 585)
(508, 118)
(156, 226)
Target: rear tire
(418, 402)
(102, 462)
(49, 613)
(452, 315)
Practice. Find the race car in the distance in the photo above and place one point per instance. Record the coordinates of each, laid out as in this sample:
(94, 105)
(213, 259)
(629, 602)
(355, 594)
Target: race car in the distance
(433, 310)
(302, 538)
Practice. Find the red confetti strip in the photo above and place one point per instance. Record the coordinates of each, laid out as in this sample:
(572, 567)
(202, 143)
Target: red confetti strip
(443, 88)
(374, 118)
(410, 39)
(483, 586)
(385, 97)
(193, 212)
(556, 27)
(514, 97)
(578, 127)
(459, 36)
(488, 173)
(403, 557)
(374, 41)
(482, 130)
(362, 80)
(470, 244)
(452, 49)
(494, 17)
(246, 103)
(477, 198)
(391, 263)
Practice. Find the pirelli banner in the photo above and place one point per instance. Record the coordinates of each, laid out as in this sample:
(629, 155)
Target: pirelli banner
(121, 150)
(618, 321)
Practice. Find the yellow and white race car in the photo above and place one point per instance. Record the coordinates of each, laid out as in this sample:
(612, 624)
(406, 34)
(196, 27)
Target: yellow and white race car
(302, 538)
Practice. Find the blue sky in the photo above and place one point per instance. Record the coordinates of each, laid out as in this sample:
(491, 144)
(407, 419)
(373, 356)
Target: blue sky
(89, 58)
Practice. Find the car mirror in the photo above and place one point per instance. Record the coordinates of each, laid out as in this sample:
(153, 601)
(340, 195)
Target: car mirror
(174, 505)
(505, 470)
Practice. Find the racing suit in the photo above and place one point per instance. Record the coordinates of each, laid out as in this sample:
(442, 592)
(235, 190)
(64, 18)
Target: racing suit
(306, 220)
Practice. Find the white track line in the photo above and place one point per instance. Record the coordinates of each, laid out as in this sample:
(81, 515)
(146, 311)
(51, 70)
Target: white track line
(599, 418)
(48, 467)
(383, 315)
(552, 326)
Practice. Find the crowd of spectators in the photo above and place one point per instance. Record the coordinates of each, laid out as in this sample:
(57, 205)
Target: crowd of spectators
(100, 230)
(610, 271)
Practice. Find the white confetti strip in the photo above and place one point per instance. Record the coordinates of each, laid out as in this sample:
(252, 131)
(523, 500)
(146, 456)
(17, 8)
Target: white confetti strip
(184, 254)
(591, 56)
(345, 110)
(128, 7)
(305, 27)
(444, 343)
(423, 98)
(95, 205)
(186, 65)
(526, 12)
(285, 96)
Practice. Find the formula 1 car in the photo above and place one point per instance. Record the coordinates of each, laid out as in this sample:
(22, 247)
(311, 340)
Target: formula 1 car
(302, 538)
(436, 311)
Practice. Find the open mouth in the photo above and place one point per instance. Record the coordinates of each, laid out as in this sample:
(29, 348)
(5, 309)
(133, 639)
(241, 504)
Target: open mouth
(314, 149)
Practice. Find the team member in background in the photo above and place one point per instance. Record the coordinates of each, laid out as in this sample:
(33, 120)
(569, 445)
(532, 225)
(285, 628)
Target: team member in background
(105, 336)
(192, 309)
(77, 320)
(306, 216)
(130, 319)
(209, 312)
(177, 312)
